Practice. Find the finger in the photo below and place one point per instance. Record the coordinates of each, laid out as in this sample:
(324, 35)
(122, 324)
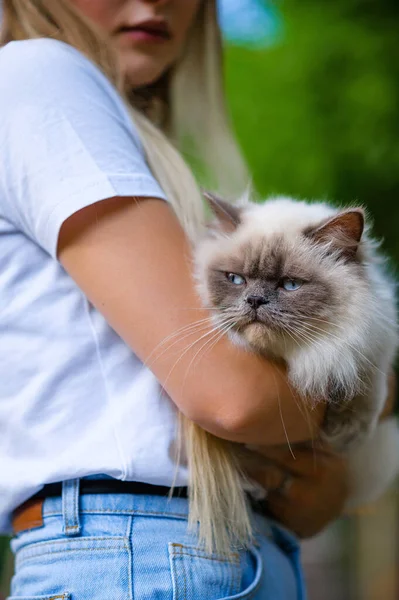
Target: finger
(270, 478)
(285, 485)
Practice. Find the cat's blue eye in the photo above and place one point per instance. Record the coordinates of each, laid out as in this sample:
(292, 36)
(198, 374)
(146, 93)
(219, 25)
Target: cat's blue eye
(291, 285)
(235, 279)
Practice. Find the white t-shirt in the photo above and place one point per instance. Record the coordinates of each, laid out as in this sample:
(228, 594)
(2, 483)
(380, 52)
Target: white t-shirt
(74, 398)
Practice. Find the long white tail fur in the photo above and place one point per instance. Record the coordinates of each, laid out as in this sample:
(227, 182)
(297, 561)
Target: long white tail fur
(218, 503)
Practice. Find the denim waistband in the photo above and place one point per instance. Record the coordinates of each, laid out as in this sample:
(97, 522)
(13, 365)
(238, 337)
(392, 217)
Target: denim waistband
(121, 504)
(72, 504)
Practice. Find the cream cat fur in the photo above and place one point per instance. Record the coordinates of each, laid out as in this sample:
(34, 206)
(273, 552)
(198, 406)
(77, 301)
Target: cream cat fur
(303, 282)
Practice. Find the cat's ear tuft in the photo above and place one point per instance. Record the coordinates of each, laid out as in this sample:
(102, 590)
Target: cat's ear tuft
(228, 215)
(343, 231)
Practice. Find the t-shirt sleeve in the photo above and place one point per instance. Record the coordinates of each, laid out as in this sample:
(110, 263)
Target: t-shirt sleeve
(66, 139)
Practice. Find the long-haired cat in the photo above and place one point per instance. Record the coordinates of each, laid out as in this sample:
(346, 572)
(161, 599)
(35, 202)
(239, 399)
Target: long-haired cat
(302, 282)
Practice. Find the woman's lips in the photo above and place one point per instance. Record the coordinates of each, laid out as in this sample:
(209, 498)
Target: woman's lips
(147, 32)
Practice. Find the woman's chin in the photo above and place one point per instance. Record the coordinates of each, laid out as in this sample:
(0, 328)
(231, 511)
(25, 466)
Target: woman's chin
(140, 70)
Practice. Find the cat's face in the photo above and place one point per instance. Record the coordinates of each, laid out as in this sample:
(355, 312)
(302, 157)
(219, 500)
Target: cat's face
(276, 287)
(268, 289)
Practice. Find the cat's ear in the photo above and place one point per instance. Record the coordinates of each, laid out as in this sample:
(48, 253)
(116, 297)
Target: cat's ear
(343, 231)
(227, 215)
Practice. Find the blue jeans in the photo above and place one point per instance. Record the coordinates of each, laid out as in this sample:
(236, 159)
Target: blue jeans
(134, 547)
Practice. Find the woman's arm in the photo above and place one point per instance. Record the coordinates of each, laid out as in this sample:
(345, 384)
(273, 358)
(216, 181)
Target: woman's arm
(132, 260)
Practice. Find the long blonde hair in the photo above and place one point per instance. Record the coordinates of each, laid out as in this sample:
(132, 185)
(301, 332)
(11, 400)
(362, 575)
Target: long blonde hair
(193, 114)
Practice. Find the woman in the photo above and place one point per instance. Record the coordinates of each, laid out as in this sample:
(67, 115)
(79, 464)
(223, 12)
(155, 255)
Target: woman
(96, 214)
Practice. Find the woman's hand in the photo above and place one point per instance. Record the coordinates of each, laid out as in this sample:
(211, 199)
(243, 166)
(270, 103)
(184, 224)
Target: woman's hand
(305, 491)
(308, 487)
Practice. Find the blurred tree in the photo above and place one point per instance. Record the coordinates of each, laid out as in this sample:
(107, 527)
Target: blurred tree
(318, 113)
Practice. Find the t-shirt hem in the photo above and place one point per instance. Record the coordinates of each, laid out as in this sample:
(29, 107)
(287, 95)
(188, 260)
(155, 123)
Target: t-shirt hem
(94, 191)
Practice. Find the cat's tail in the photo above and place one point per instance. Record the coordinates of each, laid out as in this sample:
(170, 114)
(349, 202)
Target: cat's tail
(374, 464)
(218, 503)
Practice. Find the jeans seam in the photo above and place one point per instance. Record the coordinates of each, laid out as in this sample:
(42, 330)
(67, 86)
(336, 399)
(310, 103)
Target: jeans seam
(27, 553)
(62, 596)
(70, 507)
(125, 512)
(184, 575)
(21, 560)
(235, 580)
(256, 588)
(75, 507)
(63, 501)
(233, 565)
(114, 538)
(129, 543)
(220, 560)
(183, 550)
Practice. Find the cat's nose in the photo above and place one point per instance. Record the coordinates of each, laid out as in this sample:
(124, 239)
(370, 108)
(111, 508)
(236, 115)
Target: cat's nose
(256, 301)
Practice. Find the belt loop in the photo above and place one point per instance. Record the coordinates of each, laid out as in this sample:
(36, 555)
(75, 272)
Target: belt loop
(70, 507)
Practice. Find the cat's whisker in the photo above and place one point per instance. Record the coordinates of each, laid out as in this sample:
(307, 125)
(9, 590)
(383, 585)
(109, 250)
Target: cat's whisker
(187, 330)
(316, 342)
(207, 347)
(220, 332)
(330, 334)
(224, 332)
(342, 327)
(305, 339)
(293, 334)
(304, 336)
(186, 335)
(185, 327)
(281, 415)
(190, 346)
(307, 336)
(306, 326)
(303, 406)
(214, 308)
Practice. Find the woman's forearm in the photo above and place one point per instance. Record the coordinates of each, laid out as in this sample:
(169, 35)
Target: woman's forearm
(263, 410)
(132, 260)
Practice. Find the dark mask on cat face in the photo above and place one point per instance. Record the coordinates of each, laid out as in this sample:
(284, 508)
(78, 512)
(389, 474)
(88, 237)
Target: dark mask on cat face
(280, 284)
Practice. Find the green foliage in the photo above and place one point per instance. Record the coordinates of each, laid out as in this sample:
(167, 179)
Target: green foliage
(318, 113)
(4, 544)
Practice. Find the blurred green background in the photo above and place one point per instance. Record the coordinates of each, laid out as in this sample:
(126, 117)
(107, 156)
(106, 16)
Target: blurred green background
(316, 110)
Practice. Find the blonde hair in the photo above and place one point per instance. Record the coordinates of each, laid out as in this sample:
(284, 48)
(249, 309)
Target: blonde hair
(193, 116)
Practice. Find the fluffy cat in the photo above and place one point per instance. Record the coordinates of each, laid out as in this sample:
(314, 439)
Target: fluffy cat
(302, 282)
